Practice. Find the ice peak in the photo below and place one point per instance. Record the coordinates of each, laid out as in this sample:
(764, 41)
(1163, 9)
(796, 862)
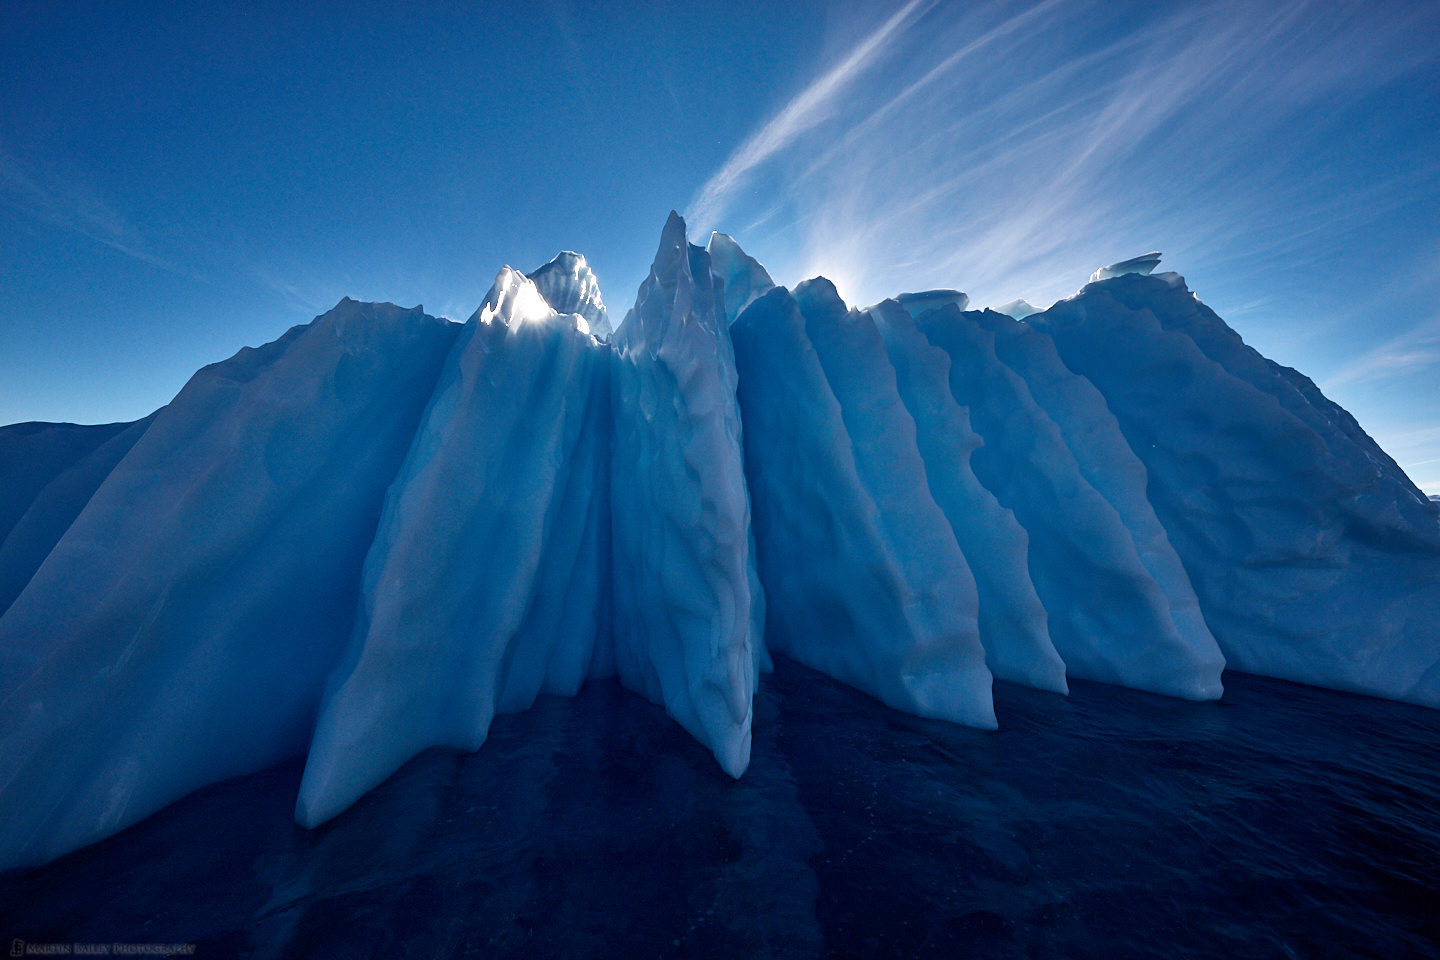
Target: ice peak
(680, 288)
(1142, 265)
(819, 297)
(745, 279)
(513, 299)
(1018, 309)
(569, 285)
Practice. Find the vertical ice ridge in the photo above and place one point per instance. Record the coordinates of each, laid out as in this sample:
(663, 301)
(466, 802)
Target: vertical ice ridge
(478, 537)
(1311, 559)
(1094, 439)
(863, 578)
(1108, 618)
(1012, 620)
(685, 611)
(180, 631)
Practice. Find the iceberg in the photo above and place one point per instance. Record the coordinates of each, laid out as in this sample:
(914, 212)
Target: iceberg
(1108, 618)
(1313, 556)
(1013, 623)
(374, 535)
(862, 578)
(485, 583)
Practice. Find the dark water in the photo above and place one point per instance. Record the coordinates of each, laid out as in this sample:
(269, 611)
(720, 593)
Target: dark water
(1281, 822)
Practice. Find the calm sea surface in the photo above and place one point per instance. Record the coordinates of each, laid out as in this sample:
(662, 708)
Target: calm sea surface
(1283, 821)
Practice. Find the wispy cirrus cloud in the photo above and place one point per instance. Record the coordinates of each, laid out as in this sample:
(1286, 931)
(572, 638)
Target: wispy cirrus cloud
(1415, 349)
(806, 110)
(74, 206)
(1280, 155)
(1011, 151)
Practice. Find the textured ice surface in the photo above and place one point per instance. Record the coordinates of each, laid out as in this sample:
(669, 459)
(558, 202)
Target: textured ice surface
(1109, 619)
(569, 285)
(1314, 557)
(380, 531)
(484, 584)
(1012, 622)
(1106, 462)
(688, 607)
(181, 630)
(862, 577)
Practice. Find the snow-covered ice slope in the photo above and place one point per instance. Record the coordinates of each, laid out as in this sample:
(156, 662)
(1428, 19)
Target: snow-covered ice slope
(863, 578)
(51, 512)
(1314, 557)
(1108, 618)
(483, 587)
(688, 608)
(33, 454)
(180, 631)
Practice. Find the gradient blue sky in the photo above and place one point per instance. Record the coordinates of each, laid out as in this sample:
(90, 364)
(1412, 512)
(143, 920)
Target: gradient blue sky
(179, 181)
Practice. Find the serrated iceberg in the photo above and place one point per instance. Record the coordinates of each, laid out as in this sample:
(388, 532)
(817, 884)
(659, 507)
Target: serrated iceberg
(375, 534)
(863, 579)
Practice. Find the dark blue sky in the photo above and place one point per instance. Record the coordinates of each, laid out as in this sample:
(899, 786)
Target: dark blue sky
(180, 181)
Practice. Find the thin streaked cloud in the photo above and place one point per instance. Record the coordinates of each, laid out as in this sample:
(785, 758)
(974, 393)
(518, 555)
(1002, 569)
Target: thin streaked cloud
(1010, 152)
(74, 207)
(806, 110)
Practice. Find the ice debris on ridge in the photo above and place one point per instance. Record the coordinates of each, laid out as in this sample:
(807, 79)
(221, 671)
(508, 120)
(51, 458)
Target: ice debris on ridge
(926, 300)
(378, 532)
(569, 285)
(1142, 265)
